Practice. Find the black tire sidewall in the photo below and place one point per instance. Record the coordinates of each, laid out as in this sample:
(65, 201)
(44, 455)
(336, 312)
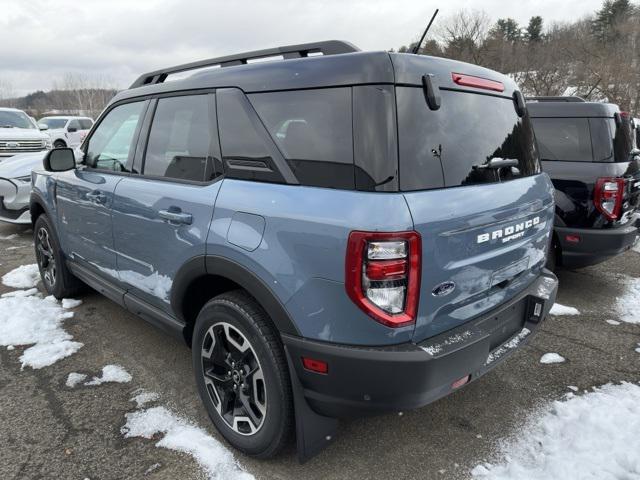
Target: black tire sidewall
(271, 431)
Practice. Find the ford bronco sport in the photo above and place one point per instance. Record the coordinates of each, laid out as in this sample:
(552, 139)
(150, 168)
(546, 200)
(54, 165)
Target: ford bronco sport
(588, 149)
(333, 232)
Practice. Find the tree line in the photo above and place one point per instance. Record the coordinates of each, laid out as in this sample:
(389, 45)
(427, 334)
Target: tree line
(596, 57)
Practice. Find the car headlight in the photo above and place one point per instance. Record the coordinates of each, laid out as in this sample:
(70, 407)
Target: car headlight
(47, 144)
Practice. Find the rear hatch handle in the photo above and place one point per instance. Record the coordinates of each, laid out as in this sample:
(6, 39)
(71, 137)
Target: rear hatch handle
(497, 162)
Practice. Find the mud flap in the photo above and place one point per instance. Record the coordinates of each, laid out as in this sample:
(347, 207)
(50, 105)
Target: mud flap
(313, 431)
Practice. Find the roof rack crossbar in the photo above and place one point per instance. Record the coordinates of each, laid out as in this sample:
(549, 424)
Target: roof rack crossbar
(329, 47)
(567, 98)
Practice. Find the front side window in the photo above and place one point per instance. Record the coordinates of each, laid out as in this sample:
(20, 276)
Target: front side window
(111, 145)
(85, 124)
(73, 124)
(179, 139)
(313, 130)
(564, 139)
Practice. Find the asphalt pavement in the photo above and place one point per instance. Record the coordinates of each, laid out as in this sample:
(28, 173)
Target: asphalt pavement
(51, 431)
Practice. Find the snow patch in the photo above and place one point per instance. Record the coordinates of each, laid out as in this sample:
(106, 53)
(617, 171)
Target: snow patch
(552, 358)
(558, 309)
(111, 373)
(183, 436)
(25, 276)
(627, 303)
(592, 436)
(20, 293)
(510, 345)
(452, 340)
(74, 379)
(70, 303)
(613, 322)
(32, 320)
(145, 397)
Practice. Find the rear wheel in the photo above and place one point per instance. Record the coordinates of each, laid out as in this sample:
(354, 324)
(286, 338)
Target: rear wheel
(56, 277)
(242, 374)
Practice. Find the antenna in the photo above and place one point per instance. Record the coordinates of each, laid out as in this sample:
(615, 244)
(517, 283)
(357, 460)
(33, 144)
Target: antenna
(417, 47)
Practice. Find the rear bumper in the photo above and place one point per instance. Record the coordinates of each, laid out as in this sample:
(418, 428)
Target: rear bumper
(368, 380)
(595, 246)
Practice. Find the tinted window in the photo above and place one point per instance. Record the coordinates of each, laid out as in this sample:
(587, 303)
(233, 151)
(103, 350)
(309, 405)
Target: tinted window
(179, 139)
(243, 139)
(602, 138)
(54, 123)
(85, 124)
(74, 124)
(111, 144)
(313, 130)
(452, 146)
(567, 139)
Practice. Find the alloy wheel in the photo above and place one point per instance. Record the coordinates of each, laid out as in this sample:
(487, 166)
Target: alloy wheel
(46, 258)
(234, 378)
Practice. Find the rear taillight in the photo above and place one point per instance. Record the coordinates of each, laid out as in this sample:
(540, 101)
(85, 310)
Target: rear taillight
(383, 275)
(608, 195)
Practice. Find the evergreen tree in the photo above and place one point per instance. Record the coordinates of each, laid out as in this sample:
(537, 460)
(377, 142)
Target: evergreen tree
(534, 30)
(611, 13)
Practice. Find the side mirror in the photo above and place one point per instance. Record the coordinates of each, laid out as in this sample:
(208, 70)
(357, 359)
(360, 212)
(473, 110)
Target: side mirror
(43, 126)
(59, 160)
(72, 129)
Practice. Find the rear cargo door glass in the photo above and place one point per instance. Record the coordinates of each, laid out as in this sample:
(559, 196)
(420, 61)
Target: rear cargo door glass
(452, 146)
(564, 139)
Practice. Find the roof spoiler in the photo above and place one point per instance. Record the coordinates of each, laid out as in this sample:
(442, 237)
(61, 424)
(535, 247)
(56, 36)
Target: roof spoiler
(556, 99)
(329, 47)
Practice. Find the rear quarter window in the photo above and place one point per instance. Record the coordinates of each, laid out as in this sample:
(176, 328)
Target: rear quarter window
(313, 130)
(451, 146)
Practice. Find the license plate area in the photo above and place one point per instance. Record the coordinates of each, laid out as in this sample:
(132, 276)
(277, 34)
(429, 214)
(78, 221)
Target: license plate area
(505, 324)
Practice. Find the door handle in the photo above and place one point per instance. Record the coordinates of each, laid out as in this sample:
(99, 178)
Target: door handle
(97, 197)
(176, 216)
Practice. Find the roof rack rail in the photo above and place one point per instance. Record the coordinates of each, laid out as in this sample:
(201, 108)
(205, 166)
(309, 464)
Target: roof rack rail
(555, 99)
(329, 47)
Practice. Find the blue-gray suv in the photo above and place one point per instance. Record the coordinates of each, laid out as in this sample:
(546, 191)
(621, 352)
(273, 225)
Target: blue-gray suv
(333, 232)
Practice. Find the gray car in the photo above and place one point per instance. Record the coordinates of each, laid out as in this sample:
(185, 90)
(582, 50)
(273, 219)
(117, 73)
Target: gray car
(333, 232)
(15, 186)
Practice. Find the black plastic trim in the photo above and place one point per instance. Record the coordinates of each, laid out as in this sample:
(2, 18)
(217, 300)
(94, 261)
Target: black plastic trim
(97, 282)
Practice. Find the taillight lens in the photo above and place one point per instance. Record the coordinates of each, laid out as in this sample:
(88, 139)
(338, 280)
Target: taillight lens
(608, 195)
(383, 275)
(477, 82)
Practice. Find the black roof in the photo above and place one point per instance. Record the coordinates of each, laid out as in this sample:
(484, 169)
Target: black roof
(343, 65)
(576, 109)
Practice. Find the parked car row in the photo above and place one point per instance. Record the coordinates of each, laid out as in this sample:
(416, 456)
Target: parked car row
(336, 232)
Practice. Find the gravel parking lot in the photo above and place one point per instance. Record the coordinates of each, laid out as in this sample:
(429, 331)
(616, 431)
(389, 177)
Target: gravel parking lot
(50, 430)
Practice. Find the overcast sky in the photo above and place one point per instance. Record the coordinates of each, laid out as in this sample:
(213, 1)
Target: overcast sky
(40, 40)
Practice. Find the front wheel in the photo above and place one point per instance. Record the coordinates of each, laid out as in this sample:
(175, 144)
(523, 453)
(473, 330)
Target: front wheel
(242, 375)
(56, 277)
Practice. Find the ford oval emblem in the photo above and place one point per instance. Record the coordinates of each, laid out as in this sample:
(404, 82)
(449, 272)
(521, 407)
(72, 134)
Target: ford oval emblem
(443, 289)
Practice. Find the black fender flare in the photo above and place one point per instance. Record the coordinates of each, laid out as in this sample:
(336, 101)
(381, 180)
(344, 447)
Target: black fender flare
(215, 265)
(35, 199)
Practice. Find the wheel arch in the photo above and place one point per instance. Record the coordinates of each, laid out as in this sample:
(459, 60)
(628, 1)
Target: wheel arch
(206, 276)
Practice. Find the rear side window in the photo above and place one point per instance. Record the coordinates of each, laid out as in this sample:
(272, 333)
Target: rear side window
(85, 124)
(453, 146)
(565, 139)
(179, 139)
(602, 138)
(313, 130)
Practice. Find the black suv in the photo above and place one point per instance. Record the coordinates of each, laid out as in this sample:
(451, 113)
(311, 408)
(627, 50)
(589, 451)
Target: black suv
(588, 150)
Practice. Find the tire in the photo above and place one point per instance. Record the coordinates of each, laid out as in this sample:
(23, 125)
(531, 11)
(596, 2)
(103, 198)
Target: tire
(59, 144)
(56, 277)
(246, 367)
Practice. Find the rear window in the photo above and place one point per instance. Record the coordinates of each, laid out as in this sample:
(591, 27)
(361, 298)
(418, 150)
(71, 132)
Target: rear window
(566, 139)
(453, 146)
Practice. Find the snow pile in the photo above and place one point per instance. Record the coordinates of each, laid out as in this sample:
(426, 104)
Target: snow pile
(593, 436)
(25, 276)
(552, 358)
(111, 373)
(181, 435)
(70, 303)
(20, 293)
(74, 379)
(627, 304)
(144, 397)
(636, 247)
(613, 322)
(27, 319)
(558, 309)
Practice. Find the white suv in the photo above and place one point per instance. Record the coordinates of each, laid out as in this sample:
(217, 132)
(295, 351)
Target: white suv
(18, 134)
(66, 131)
